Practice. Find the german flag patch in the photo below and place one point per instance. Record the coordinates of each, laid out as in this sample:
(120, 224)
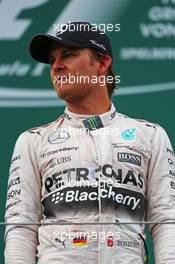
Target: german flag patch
(80, 241)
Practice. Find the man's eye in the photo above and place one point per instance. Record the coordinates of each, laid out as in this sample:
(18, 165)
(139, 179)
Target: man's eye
(51, 60)
(68, 54)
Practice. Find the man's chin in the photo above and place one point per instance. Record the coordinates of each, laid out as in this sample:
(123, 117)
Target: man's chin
(69, 96)
(63, 89)
(68, 92)
(64, 92)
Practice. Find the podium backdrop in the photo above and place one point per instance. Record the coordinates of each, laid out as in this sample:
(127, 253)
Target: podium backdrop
(144, 54)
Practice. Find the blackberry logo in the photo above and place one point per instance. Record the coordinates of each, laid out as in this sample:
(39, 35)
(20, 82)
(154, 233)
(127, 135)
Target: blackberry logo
(129, 158)
(78, 196)
(57, 197)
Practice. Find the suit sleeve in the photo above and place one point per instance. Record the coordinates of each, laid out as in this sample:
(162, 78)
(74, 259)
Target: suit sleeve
(23, 203)
(161, 197)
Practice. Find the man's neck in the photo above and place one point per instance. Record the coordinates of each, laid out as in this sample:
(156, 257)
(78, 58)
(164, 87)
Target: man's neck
(89, 108)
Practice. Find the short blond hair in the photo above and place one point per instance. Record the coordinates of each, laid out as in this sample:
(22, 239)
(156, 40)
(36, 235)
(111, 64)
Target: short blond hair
(110, 86)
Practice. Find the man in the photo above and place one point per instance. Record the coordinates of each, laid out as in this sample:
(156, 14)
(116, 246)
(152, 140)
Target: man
(91, 166)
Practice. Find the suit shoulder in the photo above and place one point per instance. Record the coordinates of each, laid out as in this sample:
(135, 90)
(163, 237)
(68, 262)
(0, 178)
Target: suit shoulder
(139, 122)
(43, 128)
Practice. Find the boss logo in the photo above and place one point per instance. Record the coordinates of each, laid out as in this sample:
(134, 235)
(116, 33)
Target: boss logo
(129, 158)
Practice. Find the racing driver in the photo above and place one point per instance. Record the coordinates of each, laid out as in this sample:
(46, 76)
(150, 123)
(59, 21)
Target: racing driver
(93, 171)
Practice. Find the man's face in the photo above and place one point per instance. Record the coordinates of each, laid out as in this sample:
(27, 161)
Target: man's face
(67, 66)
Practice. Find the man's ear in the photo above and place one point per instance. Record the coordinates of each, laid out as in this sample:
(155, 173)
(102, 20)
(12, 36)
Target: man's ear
(104, 64)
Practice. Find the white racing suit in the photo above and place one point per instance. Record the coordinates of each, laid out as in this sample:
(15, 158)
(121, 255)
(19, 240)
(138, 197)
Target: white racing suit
(90, 169)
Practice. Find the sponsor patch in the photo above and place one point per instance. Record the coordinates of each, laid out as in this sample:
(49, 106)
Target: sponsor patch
(172, 173)
(113, 114)
(88, 197)
(14, 182)
(93, 123)
(13, 194)
(172, 185)
(171, 162)
(129, 158)
(80, 241)
(128, 134)
(78, 196)
(94, 42)
(128, 243)
(58, 136)
(170, 151)
(60, 242)
(53, 152)
(77, 174)
(18, 157)
(12, 204)
(58, 161)
(14, 170)
(110, 241)
(67, 116)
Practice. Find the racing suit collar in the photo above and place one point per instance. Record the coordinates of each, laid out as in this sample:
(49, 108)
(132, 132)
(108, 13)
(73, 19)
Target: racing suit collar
(90, 122)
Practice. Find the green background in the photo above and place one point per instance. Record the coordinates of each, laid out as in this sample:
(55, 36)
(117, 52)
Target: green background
(152, 104)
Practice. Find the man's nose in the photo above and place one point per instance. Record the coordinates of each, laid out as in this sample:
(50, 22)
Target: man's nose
(58, 65)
